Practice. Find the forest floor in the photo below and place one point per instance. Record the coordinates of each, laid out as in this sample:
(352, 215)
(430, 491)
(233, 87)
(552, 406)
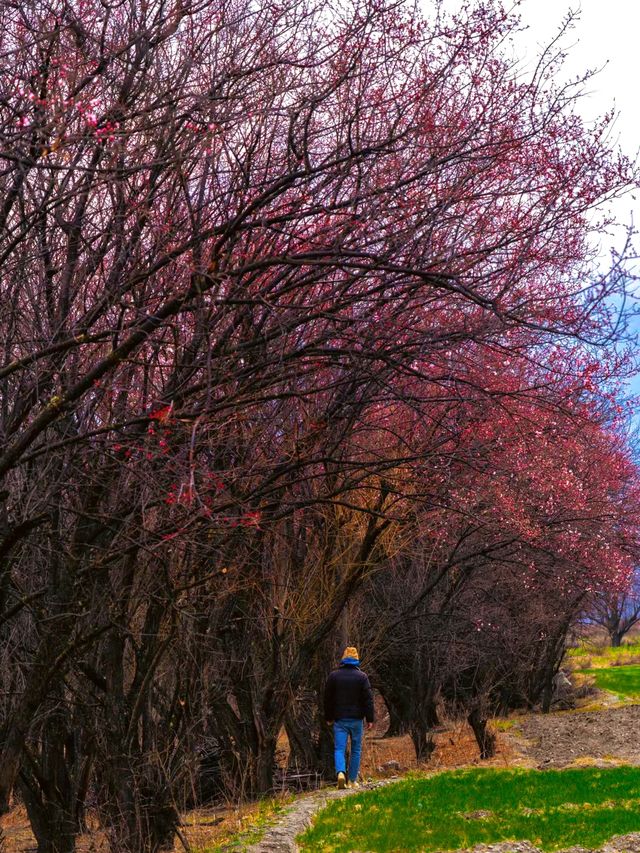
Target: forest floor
(234, 827)
(600, 733)
(603, 731)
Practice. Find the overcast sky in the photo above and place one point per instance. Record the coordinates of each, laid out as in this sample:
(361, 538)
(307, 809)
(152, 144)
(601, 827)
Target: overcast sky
(606, 37)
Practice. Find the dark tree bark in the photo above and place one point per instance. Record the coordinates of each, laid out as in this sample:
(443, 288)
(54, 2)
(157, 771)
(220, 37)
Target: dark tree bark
(397, 722)
(617, 638)
(424, 719)
(485, 738)
(423, 741)
(303, 742)
(53, 781)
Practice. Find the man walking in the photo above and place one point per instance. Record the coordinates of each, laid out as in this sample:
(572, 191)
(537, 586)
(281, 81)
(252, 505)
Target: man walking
(348, 699)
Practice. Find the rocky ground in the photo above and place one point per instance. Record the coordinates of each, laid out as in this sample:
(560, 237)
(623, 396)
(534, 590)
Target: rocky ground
(557, 740)
(621, 844)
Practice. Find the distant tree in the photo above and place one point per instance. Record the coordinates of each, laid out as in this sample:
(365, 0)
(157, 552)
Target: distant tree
(617, 612)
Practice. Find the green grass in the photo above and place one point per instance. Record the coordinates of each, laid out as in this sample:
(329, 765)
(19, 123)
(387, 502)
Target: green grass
(552, 809)
(503, 725)
(623, 680)
(594, 656)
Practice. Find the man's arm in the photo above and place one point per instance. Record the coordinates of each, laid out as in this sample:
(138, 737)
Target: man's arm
(329, 697)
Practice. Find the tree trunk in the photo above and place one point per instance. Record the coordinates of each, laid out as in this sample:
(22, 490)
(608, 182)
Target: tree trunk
(485, 738)
(54, 777)
(262, 765)
(303, 754)
(140, 814)
(616, 638)
(54, 827)
(424, 718)
(326, 753)
(423, 741)
(397, 724)
(49, 664)
(547, 695)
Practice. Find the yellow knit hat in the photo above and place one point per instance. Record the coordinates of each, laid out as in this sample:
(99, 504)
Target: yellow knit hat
(351, 652)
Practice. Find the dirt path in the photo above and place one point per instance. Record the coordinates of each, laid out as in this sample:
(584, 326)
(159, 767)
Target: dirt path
(557, 740)
(282, 837)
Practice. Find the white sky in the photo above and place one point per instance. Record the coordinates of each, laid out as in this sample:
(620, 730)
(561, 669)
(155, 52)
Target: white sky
(606, 37)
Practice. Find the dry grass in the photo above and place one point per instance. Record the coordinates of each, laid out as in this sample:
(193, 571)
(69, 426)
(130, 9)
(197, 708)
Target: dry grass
(202, 828)
(454, 748)
(214, 828)
(20, 839)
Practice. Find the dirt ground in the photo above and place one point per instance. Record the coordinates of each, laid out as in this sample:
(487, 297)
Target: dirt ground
(605, 736)
(454, 748)
(539, 740)
(557, 740)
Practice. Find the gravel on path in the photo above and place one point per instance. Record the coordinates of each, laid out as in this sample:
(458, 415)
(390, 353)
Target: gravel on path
(281, 838)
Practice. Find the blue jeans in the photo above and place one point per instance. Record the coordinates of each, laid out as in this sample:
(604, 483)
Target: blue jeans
(342, 730)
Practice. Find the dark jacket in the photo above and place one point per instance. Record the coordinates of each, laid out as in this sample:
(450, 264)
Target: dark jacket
(348, 695)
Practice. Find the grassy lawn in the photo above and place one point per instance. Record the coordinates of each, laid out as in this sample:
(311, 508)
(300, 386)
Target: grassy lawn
(453, 810)
(591, 656)
(624, 680)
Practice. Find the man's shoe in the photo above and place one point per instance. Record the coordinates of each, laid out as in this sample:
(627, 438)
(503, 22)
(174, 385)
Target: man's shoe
(342, 781)
(354, 784)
